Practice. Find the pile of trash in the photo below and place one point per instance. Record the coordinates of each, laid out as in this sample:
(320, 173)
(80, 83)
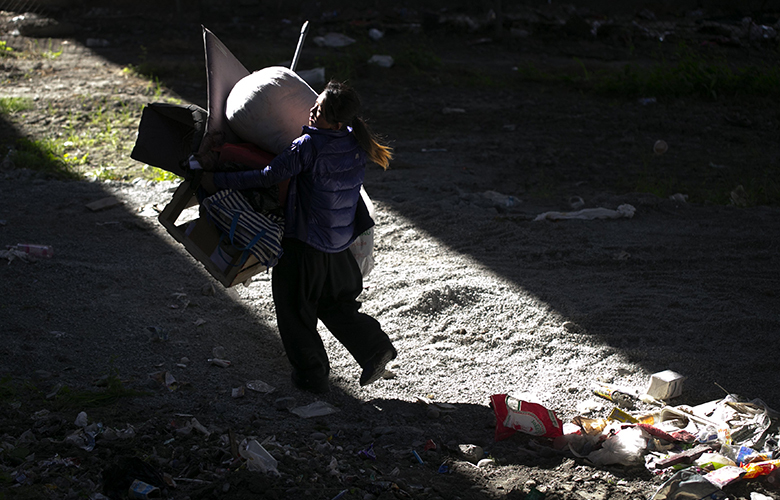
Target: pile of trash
(701, 449)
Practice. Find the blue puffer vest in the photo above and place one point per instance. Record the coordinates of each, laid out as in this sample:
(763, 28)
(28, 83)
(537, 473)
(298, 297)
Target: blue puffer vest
(326, 169)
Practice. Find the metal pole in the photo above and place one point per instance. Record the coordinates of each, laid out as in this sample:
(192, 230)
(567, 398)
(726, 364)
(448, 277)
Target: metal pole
(304, 30)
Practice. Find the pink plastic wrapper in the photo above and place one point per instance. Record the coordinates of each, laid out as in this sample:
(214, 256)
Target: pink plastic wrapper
(514, 415)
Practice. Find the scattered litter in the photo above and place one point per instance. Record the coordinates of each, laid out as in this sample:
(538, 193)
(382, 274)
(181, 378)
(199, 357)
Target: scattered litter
(199, 427)
(34, 250)
(660, 147)
(471, 452)
(625, 447)
(614, 394)
(624, 210)
(104, 203)
(679, 198)
(260, 386)
(333, 40)
(238, 392)
(165, 378)
(316, 409)
(158, 334)
(500, 200)
(453, 111)
(142, 490)
(665, 385)
(644, 101)
(257, 457)
(418, 458)
(433, 150)
(513, 415)
(375, 34)
(368, 453)
(81, 419)
(382, 61)
(222, 363)
(576, 203)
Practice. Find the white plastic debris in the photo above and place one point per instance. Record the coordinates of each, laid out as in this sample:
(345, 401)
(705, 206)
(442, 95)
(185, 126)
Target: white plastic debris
(624, 210)
(316, 409)
(333, 40)
(257, 457)
(81, 419)
(259, 386)
(375, 34)
(382, 61)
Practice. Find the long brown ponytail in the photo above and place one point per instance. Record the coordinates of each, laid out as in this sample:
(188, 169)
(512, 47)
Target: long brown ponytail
(342, 105)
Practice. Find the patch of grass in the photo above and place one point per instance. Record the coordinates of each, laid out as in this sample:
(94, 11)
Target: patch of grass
(418, 59)
(687, 73)
(346, 64)
(44, 155)
(112, 391)
(158, 174)
(10, 105)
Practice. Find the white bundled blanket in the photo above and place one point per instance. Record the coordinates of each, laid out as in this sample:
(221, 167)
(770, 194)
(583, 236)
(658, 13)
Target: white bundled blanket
(269, 107)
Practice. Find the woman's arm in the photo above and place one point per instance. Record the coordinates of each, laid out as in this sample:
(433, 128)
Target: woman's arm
(287, 164)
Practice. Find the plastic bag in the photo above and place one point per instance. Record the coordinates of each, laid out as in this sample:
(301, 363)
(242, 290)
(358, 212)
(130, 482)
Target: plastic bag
(625, 447)
(514, 415)
(363, 247)
(688, 485)
(257, 458)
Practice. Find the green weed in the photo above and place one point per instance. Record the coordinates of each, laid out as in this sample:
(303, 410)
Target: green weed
(5, 50)
(10, 105)
(44, 155)
(158, 174)
(691, 74)
(418, 60)
(112, 390)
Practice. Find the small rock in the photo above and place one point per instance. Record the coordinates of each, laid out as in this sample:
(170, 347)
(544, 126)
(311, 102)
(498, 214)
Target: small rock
(318, 436)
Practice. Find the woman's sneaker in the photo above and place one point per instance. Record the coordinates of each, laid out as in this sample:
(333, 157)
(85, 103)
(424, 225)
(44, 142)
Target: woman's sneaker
(375, 367)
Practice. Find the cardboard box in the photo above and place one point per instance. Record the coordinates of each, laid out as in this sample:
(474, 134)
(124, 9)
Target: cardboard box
(204, 241)
(665, 385)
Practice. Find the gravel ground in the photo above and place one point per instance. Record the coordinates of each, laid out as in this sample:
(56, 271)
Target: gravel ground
(479, 297)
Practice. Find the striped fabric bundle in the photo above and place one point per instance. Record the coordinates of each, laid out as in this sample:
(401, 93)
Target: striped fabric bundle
(247, 230)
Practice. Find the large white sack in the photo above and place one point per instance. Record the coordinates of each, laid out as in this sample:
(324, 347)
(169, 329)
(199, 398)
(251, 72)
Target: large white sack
(269, 107)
